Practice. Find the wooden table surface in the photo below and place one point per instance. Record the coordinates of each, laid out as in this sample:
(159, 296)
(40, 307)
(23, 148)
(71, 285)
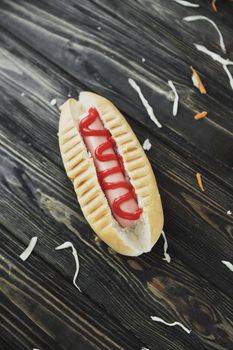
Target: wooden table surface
(52, 49)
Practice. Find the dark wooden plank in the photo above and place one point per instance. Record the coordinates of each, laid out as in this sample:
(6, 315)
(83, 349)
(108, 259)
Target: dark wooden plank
(104, 60)
(5, 344)
(40, 309)
(34, 186)
(200, 212)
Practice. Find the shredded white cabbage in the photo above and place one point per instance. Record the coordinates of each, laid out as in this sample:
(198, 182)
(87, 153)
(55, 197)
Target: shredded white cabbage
(166, 255)
(27, 252)
(158, 319)
(145, 102)
(176, 98)
(228, 264)
(219, 59)
(75, 254)
(186, 3)
(204, 18)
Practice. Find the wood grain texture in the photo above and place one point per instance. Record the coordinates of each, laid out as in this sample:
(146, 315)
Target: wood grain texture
(63, 52)
(103, 61)
(47, 314)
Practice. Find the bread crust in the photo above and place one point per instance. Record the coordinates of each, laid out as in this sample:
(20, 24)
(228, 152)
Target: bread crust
(81, 170)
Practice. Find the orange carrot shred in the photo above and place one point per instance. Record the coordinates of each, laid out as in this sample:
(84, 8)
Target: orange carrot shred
(200, 115)
(199, 181)
(214, 7)
(196, 79)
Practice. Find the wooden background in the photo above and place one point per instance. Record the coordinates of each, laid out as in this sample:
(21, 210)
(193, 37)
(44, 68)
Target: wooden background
(52, 49)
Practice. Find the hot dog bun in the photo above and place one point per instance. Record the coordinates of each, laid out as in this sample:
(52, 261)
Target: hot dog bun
(81, 170)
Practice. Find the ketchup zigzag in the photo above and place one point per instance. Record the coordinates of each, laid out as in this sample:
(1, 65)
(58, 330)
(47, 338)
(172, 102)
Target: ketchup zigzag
(100, 156)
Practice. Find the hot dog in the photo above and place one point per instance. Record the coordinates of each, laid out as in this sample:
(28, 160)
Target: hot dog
(110, 170)
(111, 174)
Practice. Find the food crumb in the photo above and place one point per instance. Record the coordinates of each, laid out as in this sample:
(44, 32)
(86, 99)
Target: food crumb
(199, 181)
(53, 102)
(200, 115)
(197, 82)
(143, 59)
(229, 212)
(146, 145)
(22, 94)
(214, 7)
(99, 28)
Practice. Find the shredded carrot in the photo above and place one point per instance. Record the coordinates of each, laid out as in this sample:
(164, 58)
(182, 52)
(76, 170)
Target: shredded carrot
(200, 115)
(197, 81)
(214, 7)
(199, 181)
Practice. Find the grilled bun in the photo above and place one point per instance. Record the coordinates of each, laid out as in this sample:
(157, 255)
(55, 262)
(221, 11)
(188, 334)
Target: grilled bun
(81, 170)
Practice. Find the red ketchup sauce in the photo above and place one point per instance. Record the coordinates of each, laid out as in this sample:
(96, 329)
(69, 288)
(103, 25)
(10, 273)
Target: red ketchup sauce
(110, 169)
